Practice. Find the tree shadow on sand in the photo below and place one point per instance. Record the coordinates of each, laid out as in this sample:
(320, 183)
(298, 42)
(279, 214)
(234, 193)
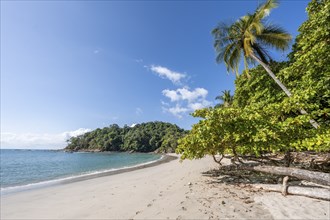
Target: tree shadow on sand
(231, 174)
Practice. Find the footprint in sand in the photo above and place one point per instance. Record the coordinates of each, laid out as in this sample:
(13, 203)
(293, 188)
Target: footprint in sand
(149, 205)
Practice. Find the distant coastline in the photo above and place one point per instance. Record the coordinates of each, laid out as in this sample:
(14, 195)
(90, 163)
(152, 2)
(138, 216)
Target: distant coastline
(158, 137)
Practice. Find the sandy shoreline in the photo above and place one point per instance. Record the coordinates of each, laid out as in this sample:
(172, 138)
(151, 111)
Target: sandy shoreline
(170, 190)
(17, 189)
(163, 159)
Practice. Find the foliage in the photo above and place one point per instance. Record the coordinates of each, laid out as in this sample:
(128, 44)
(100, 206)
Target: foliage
(308, 75)
(262, 119)
(259, 89)
(249, 36)
(145, 137)
(226, 98)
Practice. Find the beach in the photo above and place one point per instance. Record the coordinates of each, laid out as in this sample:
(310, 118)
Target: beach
(171, 190)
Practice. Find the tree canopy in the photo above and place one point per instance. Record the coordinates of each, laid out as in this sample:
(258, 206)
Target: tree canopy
(262, 119)
(145, 137)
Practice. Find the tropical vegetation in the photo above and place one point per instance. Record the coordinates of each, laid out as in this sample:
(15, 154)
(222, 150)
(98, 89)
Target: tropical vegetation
(146, 137)
(263, 119)
(250, 36)
(226, 99)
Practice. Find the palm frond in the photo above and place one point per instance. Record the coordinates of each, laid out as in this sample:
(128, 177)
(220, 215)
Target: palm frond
(221, 34)
(234, 59)
(248, 36)
(275, 37)
(261, 52)
(223, 52)
(251, 24)
(264, 9)
(226, 99)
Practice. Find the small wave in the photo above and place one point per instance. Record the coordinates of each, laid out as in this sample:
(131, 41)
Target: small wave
(15, 189)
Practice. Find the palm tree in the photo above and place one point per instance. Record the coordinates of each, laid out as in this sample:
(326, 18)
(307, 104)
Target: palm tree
(226, 99)
(249, 36)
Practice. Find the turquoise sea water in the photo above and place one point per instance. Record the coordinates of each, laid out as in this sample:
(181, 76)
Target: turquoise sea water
(21, 168)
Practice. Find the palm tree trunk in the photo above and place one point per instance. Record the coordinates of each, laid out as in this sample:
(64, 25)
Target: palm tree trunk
(287, 92)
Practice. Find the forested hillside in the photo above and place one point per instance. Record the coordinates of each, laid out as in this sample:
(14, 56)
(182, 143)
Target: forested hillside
(145, 137)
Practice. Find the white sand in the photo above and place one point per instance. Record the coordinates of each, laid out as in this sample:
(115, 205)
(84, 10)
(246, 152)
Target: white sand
(160, 192)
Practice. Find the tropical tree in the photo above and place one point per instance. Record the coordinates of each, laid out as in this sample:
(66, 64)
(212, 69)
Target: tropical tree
(249, 36)
(225, 98)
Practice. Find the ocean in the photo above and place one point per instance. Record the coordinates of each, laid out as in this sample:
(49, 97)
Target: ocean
(24, 169)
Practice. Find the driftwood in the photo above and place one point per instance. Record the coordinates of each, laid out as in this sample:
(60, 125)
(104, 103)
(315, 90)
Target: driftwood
(311, 176)
(313, 192)
(285, 186)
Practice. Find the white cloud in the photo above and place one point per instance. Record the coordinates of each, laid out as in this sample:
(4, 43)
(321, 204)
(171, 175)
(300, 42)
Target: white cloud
(172, 94)
(182, 100)
(177, 111)
(199, 105)
(164, 72)
(185, 100)
(38, 141)
(193, 95)
(165, 103)
(75, 133)
(185, 94)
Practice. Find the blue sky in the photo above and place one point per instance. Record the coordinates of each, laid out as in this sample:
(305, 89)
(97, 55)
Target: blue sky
(71, 66)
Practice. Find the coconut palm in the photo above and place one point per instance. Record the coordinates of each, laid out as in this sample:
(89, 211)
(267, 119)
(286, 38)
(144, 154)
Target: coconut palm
(248, 37)
(226, 99)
